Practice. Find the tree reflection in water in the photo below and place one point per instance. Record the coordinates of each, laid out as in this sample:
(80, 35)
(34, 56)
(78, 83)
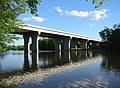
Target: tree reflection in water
(111, 61)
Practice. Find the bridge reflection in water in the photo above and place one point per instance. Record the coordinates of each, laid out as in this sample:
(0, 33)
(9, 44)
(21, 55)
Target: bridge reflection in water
(51, 59)
(58, 69)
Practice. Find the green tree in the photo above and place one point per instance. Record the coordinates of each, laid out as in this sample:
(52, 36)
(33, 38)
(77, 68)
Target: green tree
(47, 44)
(116, 26)
(98, 2)
(111, 37)
(115, 39)
(9, 12)
(105, 33)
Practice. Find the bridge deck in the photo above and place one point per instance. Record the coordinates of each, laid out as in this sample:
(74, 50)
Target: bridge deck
(57, 32)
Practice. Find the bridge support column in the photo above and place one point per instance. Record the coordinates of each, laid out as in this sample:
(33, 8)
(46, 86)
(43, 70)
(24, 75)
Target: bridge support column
(66, 44)
(26, 43)
(57, 44)
(26, 65)
(35, 37)
(83, 44)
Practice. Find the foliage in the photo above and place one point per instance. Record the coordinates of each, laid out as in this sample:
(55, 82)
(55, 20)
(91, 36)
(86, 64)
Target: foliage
(11, 9)
(98, 3)
(116, 26)
(13, 47)
(9, 12)
(78, 44)
(105, 33)
(106, 45)
(94, 47)
(46, 44)
(5, 39)
(115, 39)
(111, 38)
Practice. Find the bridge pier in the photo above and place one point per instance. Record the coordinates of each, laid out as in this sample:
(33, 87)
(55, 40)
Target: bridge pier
(34, 46)
(57, 44)
(34, 36)
(66, 43)
(83, 44)
(26, 43)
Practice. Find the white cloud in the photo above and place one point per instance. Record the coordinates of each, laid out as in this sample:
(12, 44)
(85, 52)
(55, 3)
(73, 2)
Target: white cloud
(58, 9)
(37, 19)
(27, 19)
(77, 13)
(97, 15)
(93, 15)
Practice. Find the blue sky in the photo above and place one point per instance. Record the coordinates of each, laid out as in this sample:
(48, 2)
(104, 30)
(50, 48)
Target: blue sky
(75, 16)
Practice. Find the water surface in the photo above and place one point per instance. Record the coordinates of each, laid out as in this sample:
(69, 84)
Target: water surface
(50, 69)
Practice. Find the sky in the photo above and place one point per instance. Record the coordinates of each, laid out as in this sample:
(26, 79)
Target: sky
(74, 16)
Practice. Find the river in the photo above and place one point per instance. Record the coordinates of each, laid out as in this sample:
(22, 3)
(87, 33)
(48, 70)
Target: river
(68, 69)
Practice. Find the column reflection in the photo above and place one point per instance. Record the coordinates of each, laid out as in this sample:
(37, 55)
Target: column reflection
(52, 59)
(26, 65)
(34, 65)
(34, 60)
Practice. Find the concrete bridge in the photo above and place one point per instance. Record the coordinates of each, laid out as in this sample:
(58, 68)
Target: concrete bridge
(68, 40)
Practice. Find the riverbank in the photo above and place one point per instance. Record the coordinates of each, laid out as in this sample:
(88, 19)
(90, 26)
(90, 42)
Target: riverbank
(12, 47)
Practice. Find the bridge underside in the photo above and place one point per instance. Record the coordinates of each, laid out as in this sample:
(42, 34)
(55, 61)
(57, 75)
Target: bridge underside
(66, 42)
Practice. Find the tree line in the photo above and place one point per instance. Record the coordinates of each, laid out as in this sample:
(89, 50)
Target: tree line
(111, 38)
(46, 44)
